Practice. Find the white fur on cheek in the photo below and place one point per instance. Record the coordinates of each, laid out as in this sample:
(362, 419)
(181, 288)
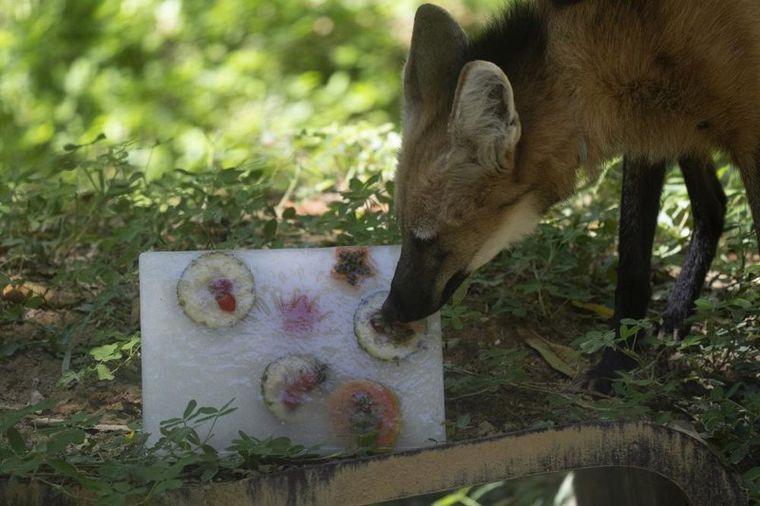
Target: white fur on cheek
(517, 222)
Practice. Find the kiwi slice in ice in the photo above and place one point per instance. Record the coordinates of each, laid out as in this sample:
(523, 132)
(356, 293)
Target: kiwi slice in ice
(290, 382)
(382, 339)
(216, 290)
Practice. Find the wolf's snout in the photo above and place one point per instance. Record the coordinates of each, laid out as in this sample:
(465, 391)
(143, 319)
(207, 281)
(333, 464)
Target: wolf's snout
(414, 301)
(406, 305)
(395, 308)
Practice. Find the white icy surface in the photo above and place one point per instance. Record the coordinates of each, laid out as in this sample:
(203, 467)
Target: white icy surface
(182, 360)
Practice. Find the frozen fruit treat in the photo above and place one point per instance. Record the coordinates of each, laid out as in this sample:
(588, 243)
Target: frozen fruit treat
(216, 290)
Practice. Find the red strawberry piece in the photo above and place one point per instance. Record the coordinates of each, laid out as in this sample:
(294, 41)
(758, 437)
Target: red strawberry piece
(226, 302)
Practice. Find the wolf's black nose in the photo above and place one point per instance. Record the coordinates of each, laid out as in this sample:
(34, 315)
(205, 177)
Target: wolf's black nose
(389, 311)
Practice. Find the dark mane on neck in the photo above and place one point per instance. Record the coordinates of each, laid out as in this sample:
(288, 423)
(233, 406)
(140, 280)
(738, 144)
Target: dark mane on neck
(515, 41)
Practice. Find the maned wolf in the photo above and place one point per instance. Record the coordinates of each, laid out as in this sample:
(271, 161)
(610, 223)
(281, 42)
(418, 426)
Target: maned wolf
(495, 130)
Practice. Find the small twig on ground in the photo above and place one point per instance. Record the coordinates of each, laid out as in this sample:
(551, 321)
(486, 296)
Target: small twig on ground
(100, 427)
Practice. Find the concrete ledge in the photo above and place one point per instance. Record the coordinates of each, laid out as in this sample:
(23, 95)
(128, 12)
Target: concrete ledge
(678, 456)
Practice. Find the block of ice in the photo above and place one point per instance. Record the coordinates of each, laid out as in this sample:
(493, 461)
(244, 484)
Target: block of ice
(300, 307)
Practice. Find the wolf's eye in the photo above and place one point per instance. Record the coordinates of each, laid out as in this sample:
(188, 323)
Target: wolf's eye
(431, 248)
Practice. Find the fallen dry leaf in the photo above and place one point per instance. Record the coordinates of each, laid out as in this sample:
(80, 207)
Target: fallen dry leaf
(560, 357)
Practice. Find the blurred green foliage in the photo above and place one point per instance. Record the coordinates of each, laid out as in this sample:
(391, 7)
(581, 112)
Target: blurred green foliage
(212, 84)
(212, 81)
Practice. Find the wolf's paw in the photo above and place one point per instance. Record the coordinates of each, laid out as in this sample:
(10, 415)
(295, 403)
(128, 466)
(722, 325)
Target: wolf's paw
(599, 379)
(602, 376)
(673, 324)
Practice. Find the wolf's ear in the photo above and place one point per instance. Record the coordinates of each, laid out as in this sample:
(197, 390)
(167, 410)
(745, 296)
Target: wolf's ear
(484, 116)
(435, 59)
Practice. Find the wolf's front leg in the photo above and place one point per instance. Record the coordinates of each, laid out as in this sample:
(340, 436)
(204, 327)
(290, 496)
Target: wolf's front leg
(639, 207)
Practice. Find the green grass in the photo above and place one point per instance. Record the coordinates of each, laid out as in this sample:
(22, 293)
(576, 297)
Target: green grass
(112, 471)
(77, 223)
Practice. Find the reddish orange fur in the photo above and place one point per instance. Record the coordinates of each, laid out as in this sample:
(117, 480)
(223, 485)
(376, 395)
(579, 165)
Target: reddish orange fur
(655, 78)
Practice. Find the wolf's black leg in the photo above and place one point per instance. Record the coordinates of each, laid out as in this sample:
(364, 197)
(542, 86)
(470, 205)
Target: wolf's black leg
(708, 206)
(639, 206)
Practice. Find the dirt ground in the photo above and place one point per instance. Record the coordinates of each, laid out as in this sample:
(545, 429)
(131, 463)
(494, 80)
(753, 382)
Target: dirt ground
(33, 373)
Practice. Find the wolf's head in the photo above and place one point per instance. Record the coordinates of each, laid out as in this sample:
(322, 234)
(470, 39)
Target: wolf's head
(459, 198)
